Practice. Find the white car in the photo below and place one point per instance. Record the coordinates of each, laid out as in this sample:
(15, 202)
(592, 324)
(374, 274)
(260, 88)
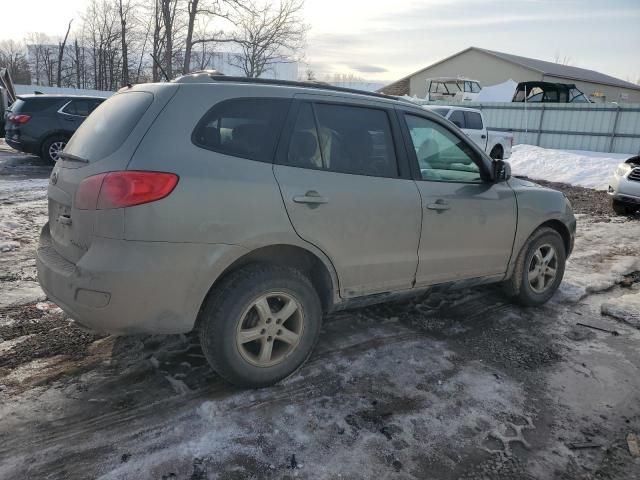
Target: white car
(624, 187)
(471, 121)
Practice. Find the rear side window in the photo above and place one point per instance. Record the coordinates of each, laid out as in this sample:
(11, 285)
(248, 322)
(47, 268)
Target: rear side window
(242, 127)
(103, 133)
(81, 107)
(343, 139)
(473, 120)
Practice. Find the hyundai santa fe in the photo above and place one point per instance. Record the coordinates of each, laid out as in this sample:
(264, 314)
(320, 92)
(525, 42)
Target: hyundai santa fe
(247, 209)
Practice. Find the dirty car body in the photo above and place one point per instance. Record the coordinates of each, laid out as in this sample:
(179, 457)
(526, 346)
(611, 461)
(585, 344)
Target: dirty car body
(210, 186)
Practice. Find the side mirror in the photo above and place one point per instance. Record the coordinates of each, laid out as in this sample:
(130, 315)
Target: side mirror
(501, 170)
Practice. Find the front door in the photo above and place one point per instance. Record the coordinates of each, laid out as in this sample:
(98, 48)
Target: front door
(469, 221)
(340, 182)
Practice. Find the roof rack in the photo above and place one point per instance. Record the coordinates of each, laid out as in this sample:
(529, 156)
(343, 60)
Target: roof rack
(217, 77)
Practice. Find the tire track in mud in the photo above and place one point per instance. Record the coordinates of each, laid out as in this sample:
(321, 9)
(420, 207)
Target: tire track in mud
(65, 430)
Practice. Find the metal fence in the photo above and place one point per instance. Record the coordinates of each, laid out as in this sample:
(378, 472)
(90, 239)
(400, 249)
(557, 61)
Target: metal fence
(587, 126)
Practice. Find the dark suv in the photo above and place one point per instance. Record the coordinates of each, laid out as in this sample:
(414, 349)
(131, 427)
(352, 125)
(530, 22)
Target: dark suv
(43, 124)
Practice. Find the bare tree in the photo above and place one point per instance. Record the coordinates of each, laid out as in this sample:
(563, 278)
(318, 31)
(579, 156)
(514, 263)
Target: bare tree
(61, 46)
(124, 8)
(562, 60)
(12, 58)
(268, 34)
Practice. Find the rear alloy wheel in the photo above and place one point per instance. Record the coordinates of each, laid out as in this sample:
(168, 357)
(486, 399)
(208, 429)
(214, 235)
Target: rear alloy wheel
(260, 324)
(52, 148)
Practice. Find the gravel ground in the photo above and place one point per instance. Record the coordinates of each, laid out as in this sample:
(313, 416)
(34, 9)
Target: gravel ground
(583, 200)
(455, 385)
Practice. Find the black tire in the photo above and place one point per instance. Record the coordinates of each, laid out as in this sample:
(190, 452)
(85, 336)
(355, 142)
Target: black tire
(46, 149)
(496, 153)
(225, 311)
(622, 208)
(519, 286)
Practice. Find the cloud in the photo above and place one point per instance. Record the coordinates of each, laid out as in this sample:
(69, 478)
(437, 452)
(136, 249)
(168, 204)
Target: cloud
(364, 68)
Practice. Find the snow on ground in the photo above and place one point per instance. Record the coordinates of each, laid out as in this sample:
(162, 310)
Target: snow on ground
(586, 169)
(603, 254)
(625, 308)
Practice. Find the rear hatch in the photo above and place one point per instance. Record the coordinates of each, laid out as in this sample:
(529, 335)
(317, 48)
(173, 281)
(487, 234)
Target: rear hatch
(105, 142)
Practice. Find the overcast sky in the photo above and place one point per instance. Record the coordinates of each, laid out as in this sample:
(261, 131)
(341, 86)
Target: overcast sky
(382, 40)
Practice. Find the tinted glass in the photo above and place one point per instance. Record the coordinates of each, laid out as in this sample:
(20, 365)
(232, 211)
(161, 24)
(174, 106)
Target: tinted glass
(441, 155)
(243, 127)
(77, 107)
(344, 139)
(36, 104)
(457, 118)
(102, 134)
(473, 120)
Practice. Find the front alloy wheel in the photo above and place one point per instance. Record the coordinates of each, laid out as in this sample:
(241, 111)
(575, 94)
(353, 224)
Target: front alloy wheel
(542, 268)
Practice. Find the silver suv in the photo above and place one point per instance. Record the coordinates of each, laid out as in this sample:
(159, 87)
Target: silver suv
(247, 209)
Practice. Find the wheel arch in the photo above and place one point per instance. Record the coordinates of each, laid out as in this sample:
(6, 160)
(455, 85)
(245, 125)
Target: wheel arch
(562, 229)
(53, 134)
(318, 270)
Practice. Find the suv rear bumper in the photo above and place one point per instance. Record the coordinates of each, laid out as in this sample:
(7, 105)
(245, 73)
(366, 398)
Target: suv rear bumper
(127, 287)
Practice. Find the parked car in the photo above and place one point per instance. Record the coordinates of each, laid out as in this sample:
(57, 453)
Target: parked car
(471, 121)
(547, 92)
(43, 124)
(451, 89)
(248, 208)
(624, 187)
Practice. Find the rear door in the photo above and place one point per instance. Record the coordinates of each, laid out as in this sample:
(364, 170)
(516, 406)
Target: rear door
(474, 128)
(469, 221)
(345, 183)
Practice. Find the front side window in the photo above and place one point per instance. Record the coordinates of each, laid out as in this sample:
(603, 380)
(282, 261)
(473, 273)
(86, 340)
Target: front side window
(442, 156)
(242, 127)
(345, 139)
(473, 120)
(475, 87)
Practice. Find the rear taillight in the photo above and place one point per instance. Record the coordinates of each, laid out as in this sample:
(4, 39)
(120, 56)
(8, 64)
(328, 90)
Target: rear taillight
(123, 189)
(19, 118)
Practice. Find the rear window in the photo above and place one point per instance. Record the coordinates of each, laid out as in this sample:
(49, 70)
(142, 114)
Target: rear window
(109, 125)
(242, 127)
(35, 104)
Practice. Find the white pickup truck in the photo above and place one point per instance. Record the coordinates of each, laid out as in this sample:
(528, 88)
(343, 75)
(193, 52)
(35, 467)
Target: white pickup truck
(471, 121)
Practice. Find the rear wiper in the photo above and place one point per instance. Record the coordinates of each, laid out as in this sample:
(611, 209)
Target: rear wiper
(72, 158)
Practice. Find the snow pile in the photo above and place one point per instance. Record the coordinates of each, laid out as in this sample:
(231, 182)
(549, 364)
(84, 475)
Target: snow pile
(625, 308)
(502, 92)
(587, 169)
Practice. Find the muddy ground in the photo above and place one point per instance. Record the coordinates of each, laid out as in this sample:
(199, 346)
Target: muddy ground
(457, 385)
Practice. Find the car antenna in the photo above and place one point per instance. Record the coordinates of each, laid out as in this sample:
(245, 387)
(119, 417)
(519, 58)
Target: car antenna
(160, 67)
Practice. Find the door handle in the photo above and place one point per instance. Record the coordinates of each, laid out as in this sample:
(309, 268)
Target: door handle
(439, 206)
(311, 198)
